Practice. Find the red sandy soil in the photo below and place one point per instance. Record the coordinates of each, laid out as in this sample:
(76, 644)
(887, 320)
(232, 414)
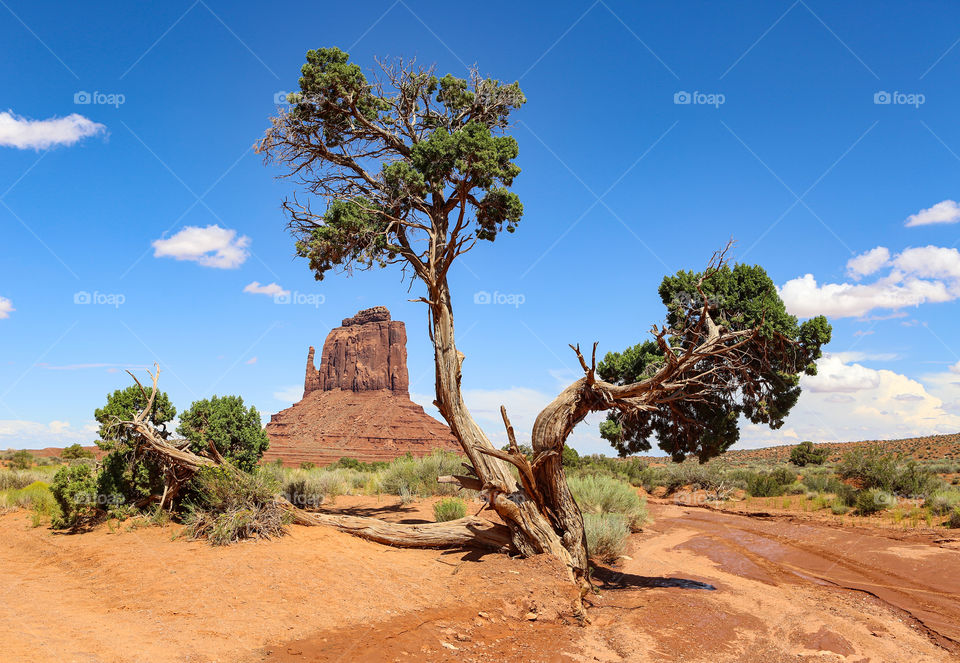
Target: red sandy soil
(697, 585)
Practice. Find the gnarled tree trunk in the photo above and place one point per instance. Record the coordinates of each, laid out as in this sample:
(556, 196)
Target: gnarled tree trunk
(536, 518)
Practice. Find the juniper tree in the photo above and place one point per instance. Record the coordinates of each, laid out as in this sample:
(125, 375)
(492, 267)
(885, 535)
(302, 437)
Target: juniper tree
(410, 168)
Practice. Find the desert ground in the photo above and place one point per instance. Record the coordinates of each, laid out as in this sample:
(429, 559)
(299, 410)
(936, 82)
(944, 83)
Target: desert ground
(696, 584)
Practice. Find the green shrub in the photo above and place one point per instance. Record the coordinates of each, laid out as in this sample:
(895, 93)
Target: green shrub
(795, 488)
(628, 469)
(76, 451)
(606, 535)
(764, 485)
(914, 480)
(449, 508)
(125, 477)
(820, 480)
(806, 454)
(418, 476)
(227, 506)
(873, 500)
(675, 476)
(839, 508)
(570, 458)
(21, 460)
(599, 494)
(307, 465)
(354, 464)
(226, 423)
(846, 494)
(942, 502)
(303, 492)
(783, 475)
(16, 479)
(871, 467)
(954, 520)
(75, 491)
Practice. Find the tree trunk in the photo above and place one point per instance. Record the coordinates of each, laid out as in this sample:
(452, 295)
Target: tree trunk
(464, 532)
(536, 513)
(550, 432)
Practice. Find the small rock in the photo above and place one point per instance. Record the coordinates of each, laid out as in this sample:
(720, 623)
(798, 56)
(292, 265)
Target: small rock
(531, 616)
(483, 614)
(449, 646)
(462, 637)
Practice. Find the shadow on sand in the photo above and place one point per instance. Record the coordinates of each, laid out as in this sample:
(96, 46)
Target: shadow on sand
(610, 579)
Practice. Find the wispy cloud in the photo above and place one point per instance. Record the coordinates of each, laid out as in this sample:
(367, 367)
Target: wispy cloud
(83, 367)
(272, 290)
(6, 308)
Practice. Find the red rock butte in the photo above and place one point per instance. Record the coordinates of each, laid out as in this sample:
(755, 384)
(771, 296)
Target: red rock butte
(358, 403)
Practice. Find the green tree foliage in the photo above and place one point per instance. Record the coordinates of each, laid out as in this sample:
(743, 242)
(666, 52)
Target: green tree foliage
(395, 160)
(570, 458)
(234, 429)
(75, 490)
(124, 477)
(21, 460)
(703, 419)
(75, 451)
(806, 454)
(872, 467)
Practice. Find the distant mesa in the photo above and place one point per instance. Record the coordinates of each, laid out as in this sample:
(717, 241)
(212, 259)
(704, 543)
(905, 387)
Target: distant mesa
(357, 403)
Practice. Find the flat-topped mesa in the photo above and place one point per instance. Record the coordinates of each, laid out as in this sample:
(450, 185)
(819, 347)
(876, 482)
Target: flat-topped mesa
(367, 353)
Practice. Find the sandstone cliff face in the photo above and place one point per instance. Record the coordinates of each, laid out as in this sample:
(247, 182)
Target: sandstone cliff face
(357, 403)
(368, 352)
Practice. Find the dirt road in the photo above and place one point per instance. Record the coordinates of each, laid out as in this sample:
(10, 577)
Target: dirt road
(921, 579)
(697, 586)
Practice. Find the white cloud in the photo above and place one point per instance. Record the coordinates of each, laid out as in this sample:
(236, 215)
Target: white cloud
(848, 402)
(955, 368)
(272, 290)
(929, 262)
(868, 263)
(212, 246)
(289, 395)
(6, 308)
(19, 434)
(947, 211)
(834, 375)
(916, 276)
(25, 134)
(523, 405)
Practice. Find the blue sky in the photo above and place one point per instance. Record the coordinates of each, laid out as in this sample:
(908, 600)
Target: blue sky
(820, 136)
